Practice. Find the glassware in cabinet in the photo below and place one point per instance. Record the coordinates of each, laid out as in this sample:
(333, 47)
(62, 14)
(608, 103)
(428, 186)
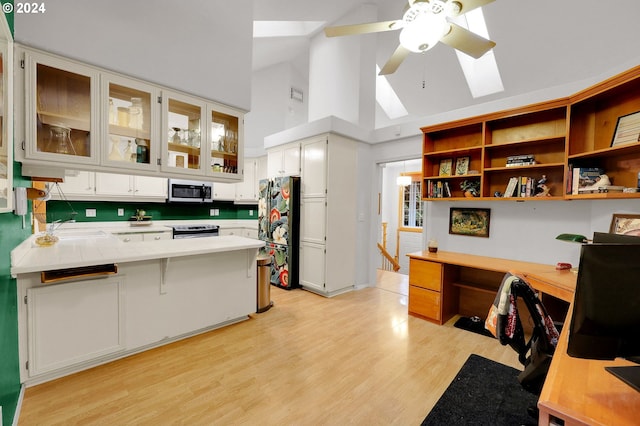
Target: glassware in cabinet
(61, 109)
(224, 142)
(131, 118)
(183, 119)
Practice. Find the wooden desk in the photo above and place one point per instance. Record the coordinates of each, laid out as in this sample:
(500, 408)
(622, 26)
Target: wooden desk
(580, 392)
(577, 391)
(444, 284)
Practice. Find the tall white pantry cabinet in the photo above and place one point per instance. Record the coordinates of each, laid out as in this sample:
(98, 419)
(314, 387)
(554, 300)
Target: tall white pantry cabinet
(328, 214)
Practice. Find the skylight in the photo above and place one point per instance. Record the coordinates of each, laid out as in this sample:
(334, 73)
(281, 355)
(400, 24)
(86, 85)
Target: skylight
(483, 76)
(387, 97)
(285, 28)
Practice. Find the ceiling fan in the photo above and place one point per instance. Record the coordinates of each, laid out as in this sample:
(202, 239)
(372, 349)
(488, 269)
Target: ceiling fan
(423, 25)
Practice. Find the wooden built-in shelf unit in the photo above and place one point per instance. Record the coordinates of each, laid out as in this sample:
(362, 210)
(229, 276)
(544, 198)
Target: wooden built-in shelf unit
(576, 131)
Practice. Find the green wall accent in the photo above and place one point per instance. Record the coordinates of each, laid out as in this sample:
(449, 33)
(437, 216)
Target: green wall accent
(11, 234)
(107, 211)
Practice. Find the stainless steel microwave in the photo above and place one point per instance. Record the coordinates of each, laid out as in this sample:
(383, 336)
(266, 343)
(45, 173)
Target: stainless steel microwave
(190, 191)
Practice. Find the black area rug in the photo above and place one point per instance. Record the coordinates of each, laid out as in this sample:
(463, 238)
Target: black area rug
(484, 392)
(469, 324)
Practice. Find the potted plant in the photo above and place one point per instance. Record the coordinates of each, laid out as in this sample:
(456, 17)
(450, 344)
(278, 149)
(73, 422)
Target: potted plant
(471, 188)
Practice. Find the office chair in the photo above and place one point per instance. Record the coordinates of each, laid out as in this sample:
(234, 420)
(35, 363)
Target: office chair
(505, 324)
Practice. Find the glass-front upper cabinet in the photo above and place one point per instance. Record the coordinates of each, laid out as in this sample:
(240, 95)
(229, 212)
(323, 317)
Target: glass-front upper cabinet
(131, 116)
(225, 136)
(183, 118)
(61, 104)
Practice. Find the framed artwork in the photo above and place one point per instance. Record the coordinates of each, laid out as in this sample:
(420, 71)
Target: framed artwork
(469, 221)
(627, 130)
(625, 224)
(462, 166)
(445, 167)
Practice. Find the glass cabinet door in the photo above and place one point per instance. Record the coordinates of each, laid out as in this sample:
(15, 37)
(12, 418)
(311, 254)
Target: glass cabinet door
(61, 105)
(131, 114)
(225, 142)
(183, 118)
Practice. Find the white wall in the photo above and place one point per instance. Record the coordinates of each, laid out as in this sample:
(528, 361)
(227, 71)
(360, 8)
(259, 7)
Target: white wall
(518, 230)
(208, 54)
(272, 108)
(342, 74)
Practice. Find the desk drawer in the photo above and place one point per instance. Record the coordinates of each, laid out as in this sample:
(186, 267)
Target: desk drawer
(425, 303)
(425, 274)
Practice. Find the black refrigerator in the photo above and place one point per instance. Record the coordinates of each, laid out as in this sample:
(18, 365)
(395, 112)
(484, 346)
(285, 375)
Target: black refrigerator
(279, 228)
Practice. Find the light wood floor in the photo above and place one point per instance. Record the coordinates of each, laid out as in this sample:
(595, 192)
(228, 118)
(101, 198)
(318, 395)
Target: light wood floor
(357, 358)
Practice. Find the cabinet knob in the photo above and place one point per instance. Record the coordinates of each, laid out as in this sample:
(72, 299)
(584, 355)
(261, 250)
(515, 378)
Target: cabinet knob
(126, 240)
(157, 238)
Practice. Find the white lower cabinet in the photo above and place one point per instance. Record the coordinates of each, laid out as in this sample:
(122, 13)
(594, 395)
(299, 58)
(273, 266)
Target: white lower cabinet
(67, 327)
(312, 266)
(74, 322)
(129, 237)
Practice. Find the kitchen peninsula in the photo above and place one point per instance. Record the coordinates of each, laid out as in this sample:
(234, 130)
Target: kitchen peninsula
(109, 298)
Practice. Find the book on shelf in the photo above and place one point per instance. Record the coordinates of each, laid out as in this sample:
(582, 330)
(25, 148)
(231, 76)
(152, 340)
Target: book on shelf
(583, 177)
(511, 187)
(521, 186)
(520, 160)
(447, 190)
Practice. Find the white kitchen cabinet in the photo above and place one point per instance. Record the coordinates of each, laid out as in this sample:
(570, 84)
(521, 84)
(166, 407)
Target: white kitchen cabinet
(283, 160)
(77, 183)
(262, 168)
(61, 104)
(313, 267)
(123, 186)
(132, 236)
(130, 118)
(83, 117)
(247, 190)
(328, 214)
(83, 185)
(314, 168)
(313, 220)
(74, 322)
(224, 191)
(146, 308)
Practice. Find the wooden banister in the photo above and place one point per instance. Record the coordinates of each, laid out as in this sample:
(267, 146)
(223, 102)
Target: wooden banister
(388, 262)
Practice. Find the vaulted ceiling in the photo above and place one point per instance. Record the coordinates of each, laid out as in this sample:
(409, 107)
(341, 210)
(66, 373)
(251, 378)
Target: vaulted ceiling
(545, 49)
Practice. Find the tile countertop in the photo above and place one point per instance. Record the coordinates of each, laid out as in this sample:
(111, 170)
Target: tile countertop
(76, 249)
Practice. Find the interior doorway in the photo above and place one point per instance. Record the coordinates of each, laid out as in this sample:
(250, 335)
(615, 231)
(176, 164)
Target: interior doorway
(401, 211)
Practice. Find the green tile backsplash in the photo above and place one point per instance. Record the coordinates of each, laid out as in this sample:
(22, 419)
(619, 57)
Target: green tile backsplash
(107, 211)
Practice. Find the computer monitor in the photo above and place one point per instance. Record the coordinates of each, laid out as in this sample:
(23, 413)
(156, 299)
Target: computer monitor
(606, 237)
(605, 322)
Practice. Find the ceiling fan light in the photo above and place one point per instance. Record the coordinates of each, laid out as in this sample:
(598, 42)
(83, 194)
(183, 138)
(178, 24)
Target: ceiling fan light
(423, 32)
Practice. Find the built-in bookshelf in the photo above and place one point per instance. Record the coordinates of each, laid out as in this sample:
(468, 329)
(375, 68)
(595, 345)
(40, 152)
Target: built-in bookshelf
(542, 142)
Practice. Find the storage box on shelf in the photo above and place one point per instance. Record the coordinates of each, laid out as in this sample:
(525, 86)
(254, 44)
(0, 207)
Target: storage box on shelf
(559, 135)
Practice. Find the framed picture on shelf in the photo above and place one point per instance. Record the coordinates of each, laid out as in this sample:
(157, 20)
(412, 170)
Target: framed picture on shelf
(625, 224)
(445, 167)
(627, 129)
(462, 166)
(469, 221)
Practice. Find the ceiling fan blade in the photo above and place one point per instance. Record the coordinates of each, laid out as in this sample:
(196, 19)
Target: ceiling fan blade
(394, 61)
(467, 42)
(373, 27)
(467, 5)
